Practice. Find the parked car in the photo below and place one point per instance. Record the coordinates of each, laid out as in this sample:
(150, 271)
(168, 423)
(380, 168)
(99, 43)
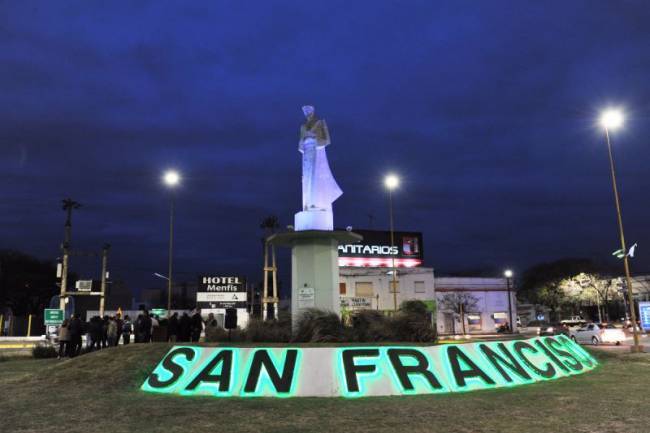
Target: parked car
(534, 327)
(574, 322)
(554, 329)
(594, 334)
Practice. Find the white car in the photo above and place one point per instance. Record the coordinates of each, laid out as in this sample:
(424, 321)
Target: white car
(595, 334)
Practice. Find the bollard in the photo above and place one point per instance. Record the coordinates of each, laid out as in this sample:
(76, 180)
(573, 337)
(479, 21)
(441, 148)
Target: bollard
(29, 326)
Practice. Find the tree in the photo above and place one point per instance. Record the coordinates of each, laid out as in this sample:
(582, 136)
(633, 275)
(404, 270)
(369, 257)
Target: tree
(543, 283)
(592, 288)
(26, 283)
(459, 303)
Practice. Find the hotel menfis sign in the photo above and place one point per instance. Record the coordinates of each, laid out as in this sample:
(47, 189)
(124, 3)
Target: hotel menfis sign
(365, 371)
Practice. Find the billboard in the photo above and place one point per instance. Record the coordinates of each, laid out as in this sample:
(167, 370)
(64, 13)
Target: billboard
(218, 291)
(375, 250)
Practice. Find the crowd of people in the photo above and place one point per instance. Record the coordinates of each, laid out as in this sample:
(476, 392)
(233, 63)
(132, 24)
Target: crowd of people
(108, 331)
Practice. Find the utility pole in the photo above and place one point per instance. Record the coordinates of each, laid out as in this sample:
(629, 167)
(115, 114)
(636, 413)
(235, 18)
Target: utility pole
(630, 295)
(102, 296)
(68, 206)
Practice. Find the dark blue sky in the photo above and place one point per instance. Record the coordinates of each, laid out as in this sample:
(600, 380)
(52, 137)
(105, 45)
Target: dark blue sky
(486, 109)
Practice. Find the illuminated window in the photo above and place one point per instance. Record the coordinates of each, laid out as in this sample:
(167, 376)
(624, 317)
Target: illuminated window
(419, 287)
(393, 286)
(363, 289)
(474, 322)
(342, 289)
(500, 318)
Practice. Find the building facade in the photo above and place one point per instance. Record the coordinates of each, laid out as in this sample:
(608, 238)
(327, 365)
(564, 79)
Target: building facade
(469, 305)
(366, 271)
(370, 287)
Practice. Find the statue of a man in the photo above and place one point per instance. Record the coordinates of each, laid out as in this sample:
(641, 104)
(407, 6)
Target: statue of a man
(319, 189)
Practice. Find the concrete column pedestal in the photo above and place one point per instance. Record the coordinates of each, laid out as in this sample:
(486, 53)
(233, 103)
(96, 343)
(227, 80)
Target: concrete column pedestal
(314, 268)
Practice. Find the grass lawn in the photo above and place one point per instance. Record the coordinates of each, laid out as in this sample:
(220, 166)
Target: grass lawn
(100, 392)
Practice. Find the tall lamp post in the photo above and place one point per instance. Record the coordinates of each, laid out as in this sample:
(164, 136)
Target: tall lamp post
(171, 179)
(391, 182)
(611, 120)
(508, 274)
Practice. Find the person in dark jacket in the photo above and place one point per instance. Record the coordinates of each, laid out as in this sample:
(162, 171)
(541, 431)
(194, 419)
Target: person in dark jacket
(184, 328)
(95, 332)
(74, 330)
(105, 332)
(172, 328)
(127, 328)
(143, 328)
(197, 326)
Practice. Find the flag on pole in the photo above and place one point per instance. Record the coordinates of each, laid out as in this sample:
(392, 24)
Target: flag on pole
(620, 253)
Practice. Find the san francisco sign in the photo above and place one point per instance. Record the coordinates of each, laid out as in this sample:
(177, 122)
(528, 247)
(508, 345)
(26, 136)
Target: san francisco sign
(365, 371)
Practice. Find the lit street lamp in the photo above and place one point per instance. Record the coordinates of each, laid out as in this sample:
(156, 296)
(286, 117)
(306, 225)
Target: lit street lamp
(612, 119)
(508, 274)
(391, 182)
(171, 178)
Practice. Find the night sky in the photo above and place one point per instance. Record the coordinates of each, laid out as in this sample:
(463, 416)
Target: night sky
(486, 109)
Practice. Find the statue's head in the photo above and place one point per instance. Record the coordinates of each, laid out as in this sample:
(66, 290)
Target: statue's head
(308, 110)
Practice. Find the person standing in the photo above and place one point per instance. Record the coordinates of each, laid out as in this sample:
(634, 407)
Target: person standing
(211, 329)
(104, 332)
(184, 328)
(95, 332)
(64, 338)
(172, 328)
(155, 326)
(144, 327)
(126, 330)
(197, 326)
(111, 332)
(74, 329)
(120, 323)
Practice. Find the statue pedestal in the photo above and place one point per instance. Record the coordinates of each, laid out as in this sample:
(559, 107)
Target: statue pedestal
(316, 219)
(314, 268)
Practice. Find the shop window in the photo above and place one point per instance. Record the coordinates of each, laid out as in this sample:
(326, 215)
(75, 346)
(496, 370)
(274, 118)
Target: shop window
(363, 289)
(342, 289)
(419, 287)
(474, 322)
(500, 318)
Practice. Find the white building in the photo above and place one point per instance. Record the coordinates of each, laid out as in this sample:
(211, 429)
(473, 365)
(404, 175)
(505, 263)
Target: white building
(486, 304)
(370, 287)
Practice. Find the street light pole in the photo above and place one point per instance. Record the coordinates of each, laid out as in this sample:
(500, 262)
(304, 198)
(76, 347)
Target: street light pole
(508, 275)
(171, 249)
(392, 246)
(391, 182)
(171, 179)
(630, 295)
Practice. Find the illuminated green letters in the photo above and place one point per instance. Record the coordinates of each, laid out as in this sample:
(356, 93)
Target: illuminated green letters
(365, 371)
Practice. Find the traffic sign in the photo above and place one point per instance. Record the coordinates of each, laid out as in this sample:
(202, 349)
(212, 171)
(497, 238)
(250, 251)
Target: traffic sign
(644, 313)
(160, 312)
(53, 316)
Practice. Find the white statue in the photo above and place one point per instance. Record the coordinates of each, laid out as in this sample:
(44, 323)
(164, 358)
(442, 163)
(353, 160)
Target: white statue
(319, 189)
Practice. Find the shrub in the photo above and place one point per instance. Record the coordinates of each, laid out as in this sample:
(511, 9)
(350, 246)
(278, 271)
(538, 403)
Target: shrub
(413, 323)
(369, 326)
(318, 326)
(274, 331)
(44, 351)
(218, 334)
